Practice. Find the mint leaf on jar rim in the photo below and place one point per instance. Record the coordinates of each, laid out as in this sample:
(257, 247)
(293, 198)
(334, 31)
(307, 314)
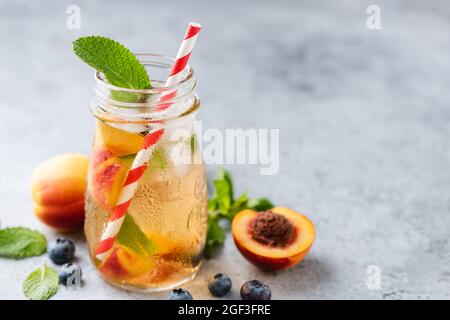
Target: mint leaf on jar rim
(18, 243)
(41, 284)
(119, 65)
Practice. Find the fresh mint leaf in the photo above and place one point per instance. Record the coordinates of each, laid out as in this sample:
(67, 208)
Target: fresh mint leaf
(212, 204)
(215, 235)
(223, 195)
(224, 191)
(41, 284)
(240, 204)
(131, 236)
(119, 65)
(261, 204)
(18, 242)
(226, 176)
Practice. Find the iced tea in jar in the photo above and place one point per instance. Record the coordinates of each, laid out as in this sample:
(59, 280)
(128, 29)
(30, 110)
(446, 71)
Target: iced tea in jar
(160, 242)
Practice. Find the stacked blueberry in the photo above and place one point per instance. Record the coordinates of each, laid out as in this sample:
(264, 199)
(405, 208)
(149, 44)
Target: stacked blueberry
(62, 252)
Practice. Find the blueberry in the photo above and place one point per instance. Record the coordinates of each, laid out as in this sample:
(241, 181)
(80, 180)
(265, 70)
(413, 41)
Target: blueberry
(219, 285)
(61, 251)
(179, 294)
(69, 274)
(255, 290)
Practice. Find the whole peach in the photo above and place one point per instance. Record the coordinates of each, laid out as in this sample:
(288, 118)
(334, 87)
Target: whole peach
(58, 186)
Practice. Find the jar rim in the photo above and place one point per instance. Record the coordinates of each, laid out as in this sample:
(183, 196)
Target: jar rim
(150, 105)
(100, 78)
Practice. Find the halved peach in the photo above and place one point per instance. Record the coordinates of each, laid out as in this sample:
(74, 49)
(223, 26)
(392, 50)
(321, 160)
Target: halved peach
(270, 254)
(123, 264)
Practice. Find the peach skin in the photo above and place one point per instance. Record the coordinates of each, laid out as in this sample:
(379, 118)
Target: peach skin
(57, 187)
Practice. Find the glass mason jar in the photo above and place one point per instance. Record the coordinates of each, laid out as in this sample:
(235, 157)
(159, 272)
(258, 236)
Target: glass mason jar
(160, 243)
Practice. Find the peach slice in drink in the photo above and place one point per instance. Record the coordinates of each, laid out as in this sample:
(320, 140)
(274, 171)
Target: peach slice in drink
(107, 174)
(132, 255)
(125, 264)
(119, 142)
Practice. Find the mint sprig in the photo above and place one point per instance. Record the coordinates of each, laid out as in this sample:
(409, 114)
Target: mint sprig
(261, 204)
(18, 242)
(119, 65)
(131, 236)
(215, 235)
(41, 284)
(223, 206)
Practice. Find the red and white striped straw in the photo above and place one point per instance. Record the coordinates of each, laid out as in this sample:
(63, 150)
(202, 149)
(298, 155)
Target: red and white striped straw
(143, 156)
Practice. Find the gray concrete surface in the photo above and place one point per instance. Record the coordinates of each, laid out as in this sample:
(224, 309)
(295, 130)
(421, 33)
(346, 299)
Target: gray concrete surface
(364, 124)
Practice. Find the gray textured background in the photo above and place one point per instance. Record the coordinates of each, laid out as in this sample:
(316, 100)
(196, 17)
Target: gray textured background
(363, 117)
